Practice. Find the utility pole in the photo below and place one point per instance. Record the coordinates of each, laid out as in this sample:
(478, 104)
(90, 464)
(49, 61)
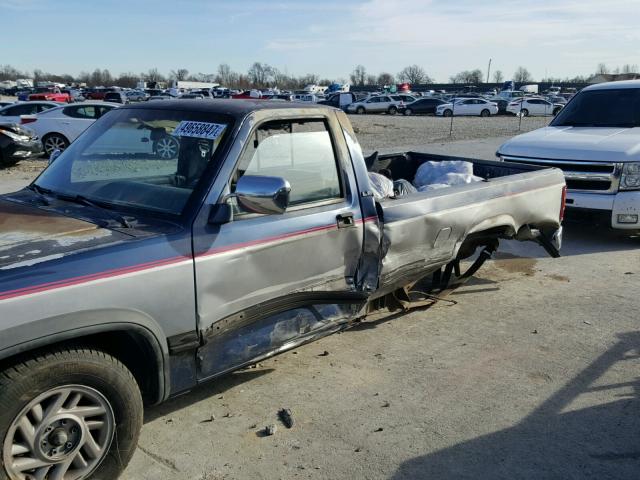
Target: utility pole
(489, 71)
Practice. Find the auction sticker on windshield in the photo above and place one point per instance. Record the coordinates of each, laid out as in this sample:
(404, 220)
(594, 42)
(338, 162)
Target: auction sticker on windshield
(210, 131)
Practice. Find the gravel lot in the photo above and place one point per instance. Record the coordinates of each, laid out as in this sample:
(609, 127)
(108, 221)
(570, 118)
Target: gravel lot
(387, 132)
(533, 373)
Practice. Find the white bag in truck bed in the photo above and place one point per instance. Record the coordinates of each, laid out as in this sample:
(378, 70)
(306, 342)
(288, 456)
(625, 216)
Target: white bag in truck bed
(433, 175)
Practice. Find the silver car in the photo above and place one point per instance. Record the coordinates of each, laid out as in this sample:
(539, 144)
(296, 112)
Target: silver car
(375, 104)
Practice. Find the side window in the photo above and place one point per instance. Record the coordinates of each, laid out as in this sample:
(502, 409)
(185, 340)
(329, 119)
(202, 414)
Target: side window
(88, 112)
(299, 151)
(43, 108)
(25, 109)
(104, 109)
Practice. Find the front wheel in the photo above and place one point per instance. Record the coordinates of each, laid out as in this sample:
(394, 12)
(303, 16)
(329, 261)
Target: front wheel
(447, 113)
(392, 110)
(71, 413)
(53, 142)
(360, 110)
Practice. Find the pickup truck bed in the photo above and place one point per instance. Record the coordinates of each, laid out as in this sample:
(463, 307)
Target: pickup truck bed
(425, 230)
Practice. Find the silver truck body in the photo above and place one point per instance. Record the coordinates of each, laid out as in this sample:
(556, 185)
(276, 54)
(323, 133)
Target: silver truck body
(206, 298)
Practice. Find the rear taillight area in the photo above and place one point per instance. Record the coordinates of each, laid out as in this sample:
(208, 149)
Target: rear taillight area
(24, 121)
(563, 202)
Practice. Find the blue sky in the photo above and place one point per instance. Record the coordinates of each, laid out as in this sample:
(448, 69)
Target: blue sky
(328, 37)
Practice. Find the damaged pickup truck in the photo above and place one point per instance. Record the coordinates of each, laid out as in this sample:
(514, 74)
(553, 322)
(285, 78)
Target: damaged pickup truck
(130, 275)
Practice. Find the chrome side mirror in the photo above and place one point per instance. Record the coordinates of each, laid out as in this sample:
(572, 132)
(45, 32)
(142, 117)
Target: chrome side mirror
(262, 194)
(55, 154)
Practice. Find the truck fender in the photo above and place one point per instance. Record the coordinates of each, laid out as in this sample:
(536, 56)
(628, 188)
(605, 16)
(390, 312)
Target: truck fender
(76, 325)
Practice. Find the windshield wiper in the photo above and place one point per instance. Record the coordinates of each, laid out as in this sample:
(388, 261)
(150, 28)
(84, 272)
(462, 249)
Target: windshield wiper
(90, 203)
(40, 192)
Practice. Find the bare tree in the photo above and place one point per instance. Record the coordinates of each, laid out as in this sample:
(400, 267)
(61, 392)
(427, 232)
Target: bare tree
(260, 73)
(468, 76)
(601, 69)
(385, 79)
(498, 77)
(629, 68)
(358, 76)
(371, 80)
(153, 75)
(522, 75)
(179, 74)
(414, 74)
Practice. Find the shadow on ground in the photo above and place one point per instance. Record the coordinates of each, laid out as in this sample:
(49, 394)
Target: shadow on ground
(557, 440)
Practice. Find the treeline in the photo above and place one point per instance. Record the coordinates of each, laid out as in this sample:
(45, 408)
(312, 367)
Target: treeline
(262, 75)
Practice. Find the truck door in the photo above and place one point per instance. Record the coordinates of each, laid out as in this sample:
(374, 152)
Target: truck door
(264, 281)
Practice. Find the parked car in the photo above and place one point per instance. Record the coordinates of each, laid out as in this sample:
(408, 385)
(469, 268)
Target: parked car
(11, 113)
(136, 96)
(196, 96)
(4, 104)
(375, 104)
(116, 97)
(533, 106)
(50, 94)
(468, 106)
(17, 143)
(595, 140)
(123, 279)
(403, 98)
(58, 127)
(339, 100)
(422, 106)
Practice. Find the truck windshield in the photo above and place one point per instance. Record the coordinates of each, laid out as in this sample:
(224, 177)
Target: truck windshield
(602, 108)
(139, 158)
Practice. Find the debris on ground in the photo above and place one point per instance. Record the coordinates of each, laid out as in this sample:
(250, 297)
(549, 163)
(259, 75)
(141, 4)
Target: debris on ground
(535, 332)
(386, 404)
(286, 417)
(586, 322)
(380, 429)
(269, 430)
(324, 354)
(209, 420)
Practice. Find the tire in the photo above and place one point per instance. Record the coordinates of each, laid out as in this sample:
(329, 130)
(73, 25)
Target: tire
(556, 111)
(166, 147)
(360, 110)
(54, 141)
(408, 111)
(392, 110)
(95, 379)
(485, 113)
(447, 113)
(524, 112)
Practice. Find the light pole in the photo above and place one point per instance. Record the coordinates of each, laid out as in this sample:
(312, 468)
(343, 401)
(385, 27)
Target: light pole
(489, 71)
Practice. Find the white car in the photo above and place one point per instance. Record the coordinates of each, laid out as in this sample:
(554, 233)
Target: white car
(533, 106)
(375, 104)
(468, 106)
(11, 113)
(59, 126)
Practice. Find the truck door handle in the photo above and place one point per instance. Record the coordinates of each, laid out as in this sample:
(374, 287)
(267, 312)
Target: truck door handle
(345, 220)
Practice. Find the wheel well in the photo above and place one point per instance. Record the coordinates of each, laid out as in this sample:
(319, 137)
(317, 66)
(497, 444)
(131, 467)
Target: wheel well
(133, 349)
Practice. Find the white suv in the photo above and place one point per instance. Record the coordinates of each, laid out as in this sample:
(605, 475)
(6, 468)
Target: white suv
(595, 140)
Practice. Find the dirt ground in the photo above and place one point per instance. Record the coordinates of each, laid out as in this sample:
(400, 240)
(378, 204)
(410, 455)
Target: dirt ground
(531, 372)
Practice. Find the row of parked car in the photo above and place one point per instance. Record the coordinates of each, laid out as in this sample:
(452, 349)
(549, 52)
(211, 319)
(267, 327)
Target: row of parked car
(49, 126)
